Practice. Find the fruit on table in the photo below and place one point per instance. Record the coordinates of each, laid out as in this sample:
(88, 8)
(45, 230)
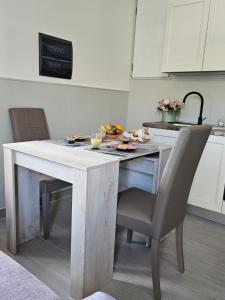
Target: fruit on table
(120, 128)
(108, 127)
(113, 129)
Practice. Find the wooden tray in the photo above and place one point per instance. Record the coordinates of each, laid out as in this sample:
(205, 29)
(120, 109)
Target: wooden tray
(110, 137)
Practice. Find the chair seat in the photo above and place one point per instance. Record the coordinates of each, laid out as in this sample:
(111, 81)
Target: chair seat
(50, 184)
(46, 178)
(135, 210)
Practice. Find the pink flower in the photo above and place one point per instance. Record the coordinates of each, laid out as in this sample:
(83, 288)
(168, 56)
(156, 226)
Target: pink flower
(166, 101)
(168, 104)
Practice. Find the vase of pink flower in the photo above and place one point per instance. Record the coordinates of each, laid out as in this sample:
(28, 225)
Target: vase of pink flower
(170, 109)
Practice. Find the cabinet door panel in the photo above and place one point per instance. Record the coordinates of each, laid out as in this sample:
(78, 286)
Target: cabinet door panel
(207, 191)
(164, 139)
(185, 35)
(149, 37)
(214, 59)
(209, 181)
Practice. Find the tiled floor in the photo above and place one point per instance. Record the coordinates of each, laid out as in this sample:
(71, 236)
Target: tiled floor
(204, 278)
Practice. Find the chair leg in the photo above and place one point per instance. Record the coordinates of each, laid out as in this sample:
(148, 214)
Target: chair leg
(46, 214)
(129, 235)
(116, 246)
(155, 244)
(179, 248)
(149, 242)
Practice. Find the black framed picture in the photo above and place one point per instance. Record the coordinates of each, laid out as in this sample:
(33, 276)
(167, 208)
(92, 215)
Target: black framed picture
(55, 57)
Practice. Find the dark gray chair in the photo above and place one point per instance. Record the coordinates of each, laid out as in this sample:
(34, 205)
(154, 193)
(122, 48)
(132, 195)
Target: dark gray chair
(29, 124)
(156, 215)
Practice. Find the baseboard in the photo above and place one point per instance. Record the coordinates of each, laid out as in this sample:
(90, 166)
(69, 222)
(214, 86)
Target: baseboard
(206, 214)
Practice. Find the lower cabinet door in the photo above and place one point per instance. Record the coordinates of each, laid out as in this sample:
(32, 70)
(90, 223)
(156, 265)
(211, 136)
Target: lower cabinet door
(208, 186)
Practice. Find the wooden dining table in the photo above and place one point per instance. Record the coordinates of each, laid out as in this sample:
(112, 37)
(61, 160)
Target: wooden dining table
(94, 177)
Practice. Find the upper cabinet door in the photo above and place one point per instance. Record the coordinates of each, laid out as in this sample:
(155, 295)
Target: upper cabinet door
(214, 59)
(185, 35)
(149, 38)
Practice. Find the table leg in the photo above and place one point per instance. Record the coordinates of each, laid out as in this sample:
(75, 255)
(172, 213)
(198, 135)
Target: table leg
(22, 200)
(93, 229)
(28, 204)
(10, 200)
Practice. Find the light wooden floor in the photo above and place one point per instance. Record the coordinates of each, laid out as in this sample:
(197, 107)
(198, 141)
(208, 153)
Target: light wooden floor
(204, 244)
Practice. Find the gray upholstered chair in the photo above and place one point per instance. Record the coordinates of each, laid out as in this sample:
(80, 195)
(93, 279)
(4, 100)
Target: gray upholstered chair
(30, 124)
(156, 215)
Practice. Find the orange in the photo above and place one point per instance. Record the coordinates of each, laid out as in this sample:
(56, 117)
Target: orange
(120, 128)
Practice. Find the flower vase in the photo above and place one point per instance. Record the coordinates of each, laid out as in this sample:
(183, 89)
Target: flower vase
(169, 116)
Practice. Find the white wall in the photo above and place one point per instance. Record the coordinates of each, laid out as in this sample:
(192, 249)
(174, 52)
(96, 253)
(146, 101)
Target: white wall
(101, 32)
(69, 110)
(145, 94)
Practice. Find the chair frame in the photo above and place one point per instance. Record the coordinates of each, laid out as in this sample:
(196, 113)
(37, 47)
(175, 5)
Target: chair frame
(46, 186)
(164, 220)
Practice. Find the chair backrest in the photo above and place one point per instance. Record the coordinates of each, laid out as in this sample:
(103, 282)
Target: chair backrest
(28, 124)
(176, 181)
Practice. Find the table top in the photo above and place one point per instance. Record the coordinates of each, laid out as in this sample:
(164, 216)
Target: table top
(80, 157)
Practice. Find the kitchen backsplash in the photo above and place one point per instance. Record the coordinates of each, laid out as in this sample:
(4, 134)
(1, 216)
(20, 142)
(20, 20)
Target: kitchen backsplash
(144, 95)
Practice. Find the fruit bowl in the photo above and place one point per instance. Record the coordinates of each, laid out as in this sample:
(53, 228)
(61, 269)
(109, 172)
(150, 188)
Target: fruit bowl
(110, 129)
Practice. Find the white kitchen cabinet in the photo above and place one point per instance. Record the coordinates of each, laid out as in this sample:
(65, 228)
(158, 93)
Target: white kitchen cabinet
(149, 38)
(163, 136)
(214, 58)
(207, 188)
(185, 35)
(208, 185)
(141, 173)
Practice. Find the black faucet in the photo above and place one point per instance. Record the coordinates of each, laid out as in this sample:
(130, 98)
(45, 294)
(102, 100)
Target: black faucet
(200, 119)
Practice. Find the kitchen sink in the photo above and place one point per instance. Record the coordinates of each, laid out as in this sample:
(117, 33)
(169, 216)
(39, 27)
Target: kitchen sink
(182, 124)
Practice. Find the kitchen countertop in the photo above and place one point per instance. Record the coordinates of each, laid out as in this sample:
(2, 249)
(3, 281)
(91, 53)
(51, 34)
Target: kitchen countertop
(164, 125)
(161, 125)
